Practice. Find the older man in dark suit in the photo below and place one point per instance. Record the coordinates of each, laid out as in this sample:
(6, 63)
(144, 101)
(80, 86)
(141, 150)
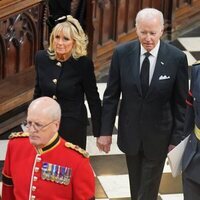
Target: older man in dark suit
(152, 78)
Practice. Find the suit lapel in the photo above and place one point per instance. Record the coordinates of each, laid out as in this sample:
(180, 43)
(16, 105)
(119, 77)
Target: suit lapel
(134, 62)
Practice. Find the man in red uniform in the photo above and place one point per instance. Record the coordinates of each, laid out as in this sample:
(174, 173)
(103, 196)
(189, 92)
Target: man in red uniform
(41, 165)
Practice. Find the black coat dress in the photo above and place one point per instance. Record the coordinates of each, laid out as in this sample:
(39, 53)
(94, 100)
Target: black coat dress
(69, 83)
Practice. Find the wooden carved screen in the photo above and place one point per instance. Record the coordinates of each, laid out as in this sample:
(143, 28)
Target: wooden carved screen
(113, 22)
(20, 37)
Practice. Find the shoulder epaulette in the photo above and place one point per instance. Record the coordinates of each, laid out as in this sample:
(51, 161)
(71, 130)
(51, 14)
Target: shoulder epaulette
(197, 63)
(18, 134)
(78, 149)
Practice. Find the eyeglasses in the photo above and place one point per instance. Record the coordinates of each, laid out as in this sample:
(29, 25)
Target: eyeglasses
(37, 126)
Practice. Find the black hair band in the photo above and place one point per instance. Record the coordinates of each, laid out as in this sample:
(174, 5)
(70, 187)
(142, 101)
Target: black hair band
(64, 19)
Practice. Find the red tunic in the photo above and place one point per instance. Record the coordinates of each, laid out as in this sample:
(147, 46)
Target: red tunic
(55, 172)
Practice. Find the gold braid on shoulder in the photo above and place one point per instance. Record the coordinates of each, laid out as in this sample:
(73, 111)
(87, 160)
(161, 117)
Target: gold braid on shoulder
(78, 149)
(18, 134)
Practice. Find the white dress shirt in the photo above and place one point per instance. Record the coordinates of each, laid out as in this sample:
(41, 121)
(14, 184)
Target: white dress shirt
(152, 59)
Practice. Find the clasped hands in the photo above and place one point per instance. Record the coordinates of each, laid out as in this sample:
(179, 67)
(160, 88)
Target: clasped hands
(104, 143)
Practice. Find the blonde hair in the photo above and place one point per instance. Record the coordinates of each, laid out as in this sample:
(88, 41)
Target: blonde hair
(70, 28)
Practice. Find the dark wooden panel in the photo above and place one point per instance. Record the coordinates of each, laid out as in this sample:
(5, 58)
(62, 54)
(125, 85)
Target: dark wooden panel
(9, 7)
(133, 7)
(146, 3)
(19, 41)
(157, 4)
(121, 18)
(74, 6)
(185, 13)
(1, 56)
(6, 3)
(21, 35)
(107, 22)
(117, 17)
(16, 90)
(180, 3)
(22, 32)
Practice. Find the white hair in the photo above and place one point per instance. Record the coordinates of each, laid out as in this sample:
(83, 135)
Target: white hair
(148, 14)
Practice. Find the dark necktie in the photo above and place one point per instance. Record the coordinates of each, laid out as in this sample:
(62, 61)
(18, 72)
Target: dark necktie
(144, 74)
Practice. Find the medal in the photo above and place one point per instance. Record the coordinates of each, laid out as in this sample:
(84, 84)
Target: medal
(44, 170)
(49, 171)
(53, 173)
(67, 176)
(56, 173)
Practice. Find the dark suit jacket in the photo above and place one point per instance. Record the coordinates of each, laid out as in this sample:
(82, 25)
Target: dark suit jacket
(193, 117)
(157, 120)
(69, 84)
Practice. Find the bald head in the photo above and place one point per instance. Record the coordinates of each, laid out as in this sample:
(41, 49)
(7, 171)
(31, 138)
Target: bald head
(43, 121)
(46, 106)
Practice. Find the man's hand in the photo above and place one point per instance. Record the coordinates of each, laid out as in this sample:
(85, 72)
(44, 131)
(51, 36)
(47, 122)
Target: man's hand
(104, 143)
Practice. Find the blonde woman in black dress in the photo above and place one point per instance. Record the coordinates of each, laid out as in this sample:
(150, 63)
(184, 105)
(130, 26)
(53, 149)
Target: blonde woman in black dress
(65, 73)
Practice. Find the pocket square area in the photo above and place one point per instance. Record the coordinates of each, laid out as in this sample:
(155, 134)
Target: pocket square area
(164, 77)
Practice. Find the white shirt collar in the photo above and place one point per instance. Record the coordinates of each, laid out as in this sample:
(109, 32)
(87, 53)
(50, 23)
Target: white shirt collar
(153, 52)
